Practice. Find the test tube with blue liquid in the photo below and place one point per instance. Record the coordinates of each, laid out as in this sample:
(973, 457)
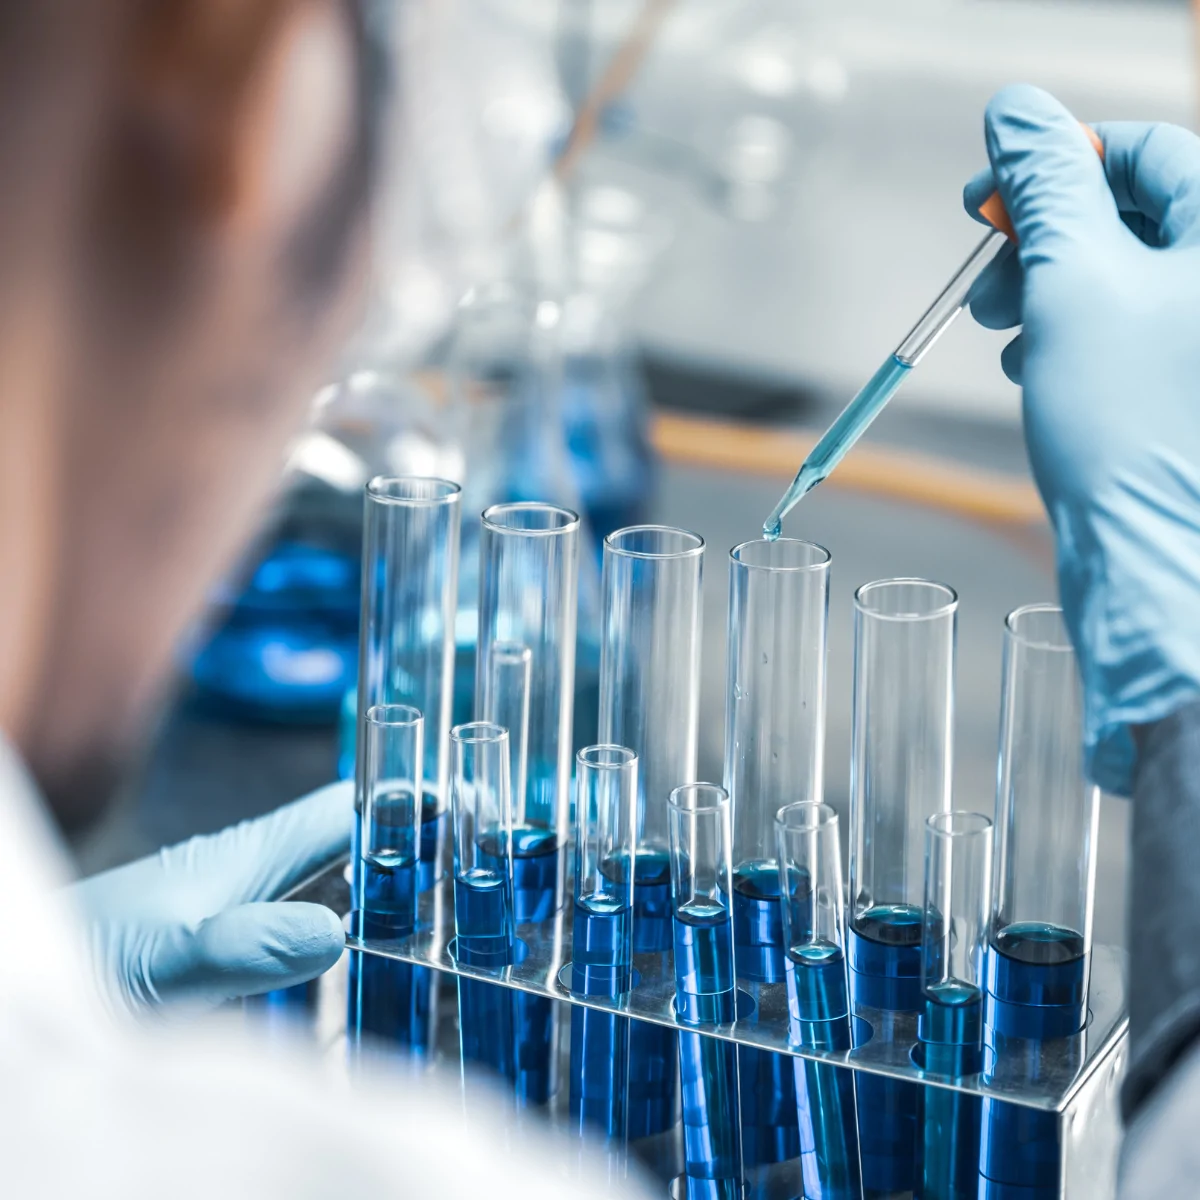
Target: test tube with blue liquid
(701, 848)
(1045, 880)
(900, 774)
(525, 681)
(406, 657)
(774, 754)
(602, 937)
(809, 857)
(385, 1004)
(483, 892)
(958, 902)
(650, 703)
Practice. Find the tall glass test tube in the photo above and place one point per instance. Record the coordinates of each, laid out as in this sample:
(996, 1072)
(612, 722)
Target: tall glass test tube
(900, 774)
(958, 901)
(525, 677)
(701, 861)
(650, 702)
(483, 874)
(406, 639)
(1045, 876)
(602, 942)
(774, 755)
(386, 1002)
(809, 855)
(1046, 817)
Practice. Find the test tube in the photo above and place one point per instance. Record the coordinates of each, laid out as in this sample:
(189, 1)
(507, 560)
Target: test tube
(525, 674)
(809, 856)
(483, 874)
(1038, 960)
(958, 902)
(700, 838)
(406, 636)
(774, 754)
(900, 773)
(1047, 815)
(602, 942)
(650, 702)
(386, 1002)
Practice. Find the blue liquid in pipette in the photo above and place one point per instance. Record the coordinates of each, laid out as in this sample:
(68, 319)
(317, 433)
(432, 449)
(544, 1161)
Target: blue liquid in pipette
(601, 965)
(769, 1122)
(704, 992)
(949, 1122)
(819, 1018)
(885, 974)
(839, 438)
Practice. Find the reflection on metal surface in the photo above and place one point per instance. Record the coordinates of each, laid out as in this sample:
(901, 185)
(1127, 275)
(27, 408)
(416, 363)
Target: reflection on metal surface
(1079, 1069)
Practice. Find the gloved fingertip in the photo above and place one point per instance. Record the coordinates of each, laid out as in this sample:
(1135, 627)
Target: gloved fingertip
(978, 188)
(1012, 359)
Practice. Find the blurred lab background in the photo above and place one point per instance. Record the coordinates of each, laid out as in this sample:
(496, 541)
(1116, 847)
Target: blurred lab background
(632, 256)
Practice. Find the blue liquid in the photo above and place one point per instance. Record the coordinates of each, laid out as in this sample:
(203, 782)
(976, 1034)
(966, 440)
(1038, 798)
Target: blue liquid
(1036, 981)
(484, 938)
(705, 992)
(704, 987)
(534, 1060)
(819, 1018)
(849, 426)
(948, 1146)
(653, 1105)
(769, 1130)
(885, 962)
(601, 944)
(536, 862)
(599, 1062)
(432, 835)
(651, 900)
(389, 870)
(758, 922)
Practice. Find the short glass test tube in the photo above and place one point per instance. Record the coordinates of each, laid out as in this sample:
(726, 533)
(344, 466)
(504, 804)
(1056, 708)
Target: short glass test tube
(406, 636)
(602, 941)
(483, 909)
(388, 1001)
(958, 901)
(900, 775)
(700, 835)
(1046, 826)
(774, 755)
(525, 682)
(650, 702)
(809, 860)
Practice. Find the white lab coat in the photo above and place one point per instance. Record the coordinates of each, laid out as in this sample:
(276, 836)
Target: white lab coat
(96, 1106)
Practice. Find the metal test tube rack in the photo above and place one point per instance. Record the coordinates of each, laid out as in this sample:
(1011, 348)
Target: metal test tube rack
(1074, 1086)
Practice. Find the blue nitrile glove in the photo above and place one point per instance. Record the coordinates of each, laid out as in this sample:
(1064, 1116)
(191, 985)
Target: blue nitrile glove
(194, 922)
(1107, 287)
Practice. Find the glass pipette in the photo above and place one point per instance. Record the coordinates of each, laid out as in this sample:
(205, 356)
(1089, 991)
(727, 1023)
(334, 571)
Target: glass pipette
(853, 420)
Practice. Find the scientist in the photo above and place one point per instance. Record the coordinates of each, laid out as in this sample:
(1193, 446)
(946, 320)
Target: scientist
(181, 231)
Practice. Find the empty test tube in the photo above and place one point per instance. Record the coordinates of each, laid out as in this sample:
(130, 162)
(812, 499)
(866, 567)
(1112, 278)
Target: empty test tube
(406, 637)
(483, 907)
(1040, 935)
(810, 876)
(529, 562)
(701, 877)
(387, 1000)
(958, 872)
(900, 772)
(602, 941)
(650, 702)
(774, 754)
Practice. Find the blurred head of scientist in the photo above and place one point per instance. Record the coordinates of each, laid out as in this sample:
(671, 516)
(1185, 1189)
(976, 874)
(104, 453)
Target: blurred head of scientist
(183, 193)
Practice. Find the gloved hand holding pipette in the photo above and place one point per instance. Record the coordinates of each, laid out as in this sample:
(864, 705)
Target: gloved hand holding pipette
(195, 923)
(1106, 284)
